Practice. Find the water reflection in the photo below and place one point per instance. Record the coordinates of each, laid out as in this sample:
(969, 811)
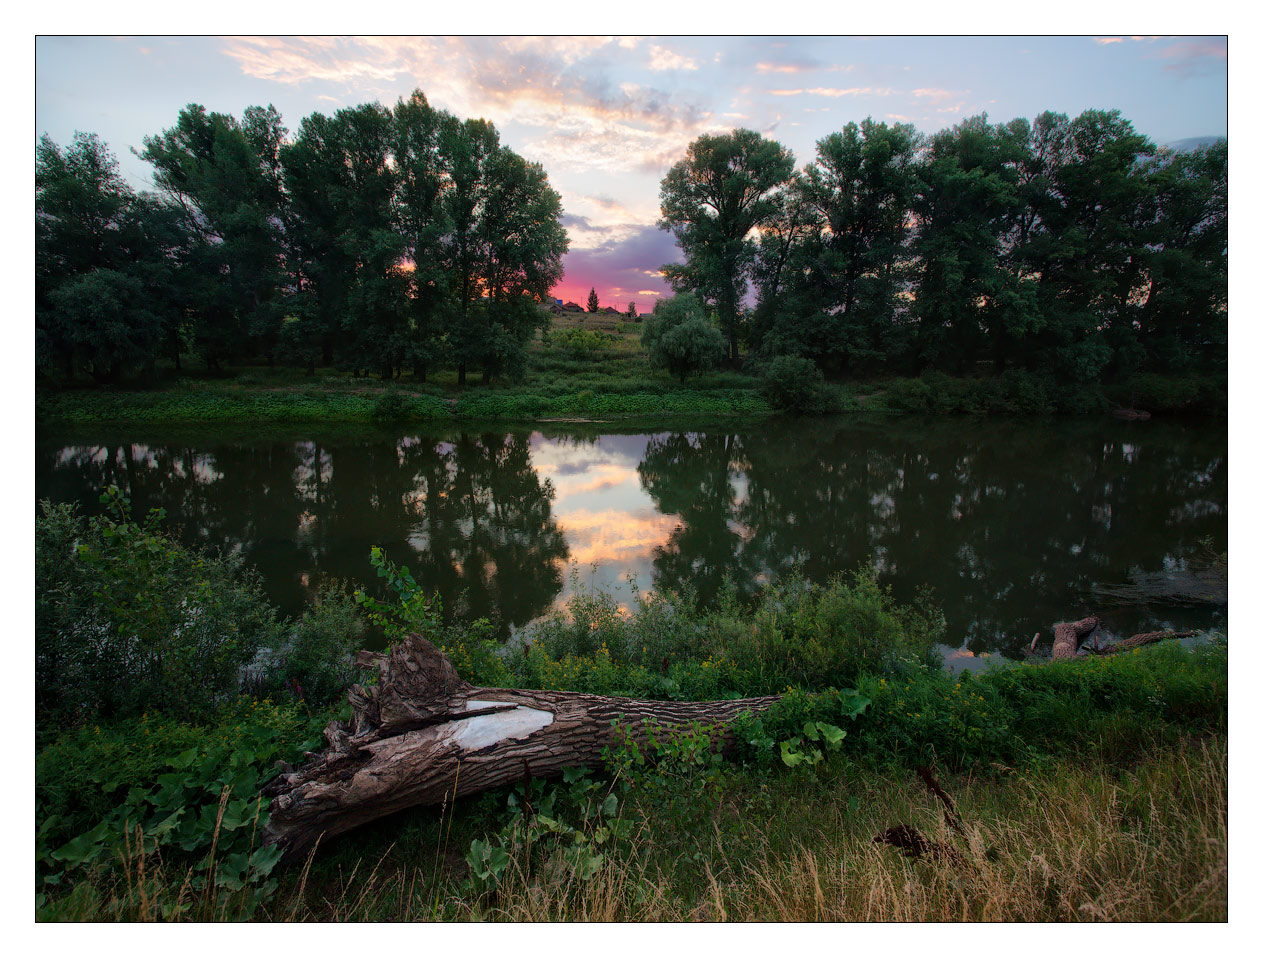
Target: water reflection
(1010, 523)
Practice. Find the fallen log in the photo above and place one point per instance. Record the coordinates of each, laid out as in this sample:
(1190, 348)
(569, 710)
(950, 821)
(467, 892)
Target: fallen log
(423, 736)
(1068, 635)
(1144, 638)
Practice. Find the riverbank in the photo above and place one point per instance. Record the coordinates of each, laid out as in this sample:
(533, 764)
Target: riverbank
(563, 391)
(1092, 790)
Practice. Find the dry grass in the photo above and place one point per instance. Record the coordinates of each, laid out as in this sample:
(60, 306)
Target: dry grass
(1098, 843)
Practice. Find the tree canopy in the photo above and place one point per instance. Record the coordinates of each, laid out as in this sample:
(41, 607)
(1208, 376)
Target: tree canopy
(712, 201)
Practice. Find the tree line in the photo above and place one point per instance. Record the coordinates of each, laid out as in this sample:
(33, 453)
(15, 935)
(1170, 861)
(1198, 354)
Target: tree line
(1070, 247)
(387, 240)
(377, 239)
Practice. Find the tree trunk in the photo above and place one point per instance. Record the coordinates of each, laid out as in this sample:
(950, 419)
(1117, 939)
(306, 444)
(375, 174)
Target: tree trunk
(1068, 635)
(422, 736)
(1136, 641)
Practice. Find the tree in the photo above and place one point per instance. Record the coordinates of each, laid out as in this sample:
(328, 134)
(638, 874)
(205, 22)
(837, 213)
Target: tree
(225, 176)
(420, 182)
(594, 304)
(712, 200)
(104, 265)
(832, 263)
(1090, 208)
(631, 309)
(1182, 321)
(679, 337)
(503, 252)
(966, 202)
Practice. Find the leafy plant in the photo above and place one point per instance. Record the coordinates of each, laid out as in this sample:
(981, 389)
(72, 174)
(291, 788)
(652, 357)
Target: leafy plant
(409, 610)
(128, 619)
(184, 793)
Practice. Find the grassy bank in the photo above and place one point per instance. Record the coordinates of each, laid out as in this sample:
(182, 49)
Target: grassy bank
(1091, 790)
(596, 370)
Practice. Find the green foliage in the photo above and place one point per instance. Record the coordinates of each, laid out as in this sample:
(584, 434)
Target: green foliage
(128, 619)
(565, 828)
(579, 343)
(315, 659)
(712, 200)
(1112, 706)
(794, 385)
(796, 635)
(390, 406)
(679, 338)
(407, 608)
(107, 797)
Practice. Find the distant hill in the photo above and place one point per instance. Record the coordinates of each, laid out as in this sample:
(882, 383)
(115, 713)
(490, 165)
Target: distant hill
(1191, 143)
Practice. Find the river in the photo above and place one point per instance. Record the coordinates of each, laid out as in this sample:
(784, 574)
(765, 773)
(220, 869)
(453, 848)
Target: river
(1010, 522)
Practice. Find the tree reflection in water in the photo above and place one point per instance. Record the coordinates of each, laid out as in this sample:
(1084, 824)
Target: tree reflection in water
(1009, 522)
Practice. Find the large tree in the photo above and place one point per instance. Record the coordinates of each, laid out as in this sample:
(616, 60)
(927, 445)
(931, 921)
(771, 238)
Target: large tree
(1087, 251)
(966, 201)
(833, 263)
(1182, 320)
(712, 201)
(420, 182)
(106, 263)
(503, 252)
(225, 175)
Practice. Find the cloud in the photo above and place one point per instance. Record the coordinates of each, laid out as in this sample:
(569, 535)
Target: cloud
(800, 66)
(662, 58)
(589, 121)
(619, 266)
(1194, 57)
(937, 95)
(836, 92)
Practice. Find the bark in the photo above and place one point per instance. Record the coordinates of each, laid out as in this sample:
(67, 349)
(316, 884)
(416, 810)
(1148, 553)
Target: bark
(1068, 635)
(1136, 641)
(422, 736)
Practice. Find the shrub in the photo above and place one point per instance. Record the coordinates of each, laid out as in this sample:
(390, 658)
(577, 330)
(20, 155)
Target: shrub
(127, 619)
(794, 385)
(579, 343)
(315, 661)
(390, 406)
(908, 395)
(679, 338)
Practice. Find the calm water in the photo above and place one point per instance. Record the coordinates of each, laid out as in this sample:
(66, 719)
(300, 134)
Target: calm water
(1010, 522)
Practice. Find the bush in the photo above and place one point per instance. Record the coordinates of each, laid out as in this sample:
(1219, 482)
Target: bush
(794, 385)
(908, 395)
(127, 619)
(579, 343)
(679, 338)
(390, 406)
(315, 661)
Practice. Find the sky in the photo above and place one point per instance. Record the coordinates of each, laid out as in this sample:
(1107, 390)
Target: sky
(608, 116)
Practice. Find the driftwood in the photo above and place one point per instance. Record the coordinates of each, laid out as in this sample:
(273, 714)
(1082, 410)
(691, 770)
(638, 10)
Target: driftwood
(1068, 635)
(1136, 641)
(1131, 414)
(423, 736)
